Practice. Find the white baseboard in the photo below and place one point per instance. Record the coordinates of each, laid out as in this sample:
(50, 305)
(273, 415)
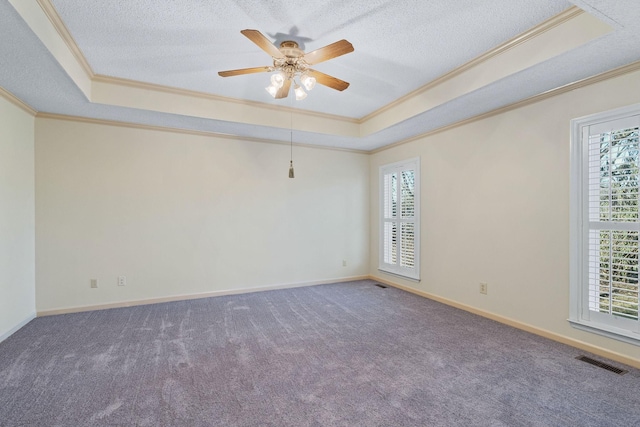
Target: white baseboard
(20, 324)
(172, 298)
(603, 352)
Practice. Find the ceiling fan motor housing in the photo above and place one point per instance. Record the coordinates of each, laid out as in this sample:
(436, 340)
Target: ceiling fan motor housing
(293, 61)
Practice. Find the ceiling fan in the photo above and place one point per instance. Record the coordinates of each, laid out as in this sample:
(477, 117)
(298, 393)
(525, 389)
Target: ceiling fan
(289, 62)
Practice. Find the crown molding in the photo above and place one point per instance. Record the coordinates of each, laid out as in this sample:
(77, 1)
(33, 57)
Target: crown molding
(183, 131)
(607, 75)
(617, 72)
(50, 11)
(100, 78)
(534, 32)
(17, 102)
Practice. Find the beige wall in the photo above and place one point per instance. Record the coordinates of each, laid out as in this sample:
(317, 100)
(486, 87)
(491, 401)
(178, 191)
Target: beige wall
(495, 209)
(181, 214)
(17, 258)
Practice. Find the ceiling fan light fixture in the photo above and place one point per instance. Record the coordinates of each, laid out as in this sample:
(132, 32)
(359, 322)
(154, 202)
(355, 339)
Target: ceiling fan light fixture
(277, 80)
(300, 93)
(307, 81)
(273, 91)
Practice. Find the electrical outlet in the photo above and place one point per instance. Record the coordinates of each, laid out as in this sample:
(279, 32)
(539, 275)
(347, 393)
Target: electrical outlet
(344, 262)
(122, 280)
(94, 283)
(483, 288)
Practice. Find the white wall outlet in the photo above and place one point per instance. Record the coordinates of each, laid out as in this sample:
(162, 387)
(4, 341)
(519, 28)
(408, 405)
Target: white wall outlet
(344, 262)
(122, 280)
(483, 288)
(94, 283)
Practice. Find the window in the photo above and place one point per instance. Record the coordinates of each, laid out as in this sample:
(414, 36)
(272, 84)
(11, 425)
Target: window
(400, 218)
(605, 224)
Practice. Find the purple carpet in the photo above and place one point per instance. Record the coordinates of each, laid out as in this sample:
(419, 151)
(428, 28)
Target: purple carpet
(349, 354)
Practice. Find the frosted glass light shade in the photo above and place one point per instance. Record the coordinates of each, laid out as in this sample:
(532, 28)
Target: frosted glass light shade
(307, 81)
(300, 93)
(272, 90)
(277, 80)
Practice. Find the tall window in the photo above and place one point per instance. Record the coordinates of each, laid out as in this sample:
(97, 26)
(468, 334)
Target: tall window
(400, 218)
(606, 223)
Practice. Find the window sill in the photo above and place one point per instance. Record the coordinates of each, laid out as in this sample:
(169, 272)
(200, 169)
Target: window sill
(403, 276)
(607, 331)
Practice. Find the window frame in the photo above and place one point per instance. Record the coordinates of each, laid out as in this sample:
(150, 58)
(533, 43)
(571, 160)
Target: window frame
(397, 269)
(580, 317)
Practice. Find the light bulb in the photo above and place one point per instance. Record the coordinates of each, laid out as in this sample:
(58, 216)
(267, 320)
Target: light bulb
(307, 81)
(273, 91)
(277, 80)
(300, 93)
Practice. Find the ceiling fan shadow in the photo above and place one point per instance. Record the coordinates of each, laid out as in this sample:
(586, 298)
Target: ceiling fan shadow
(363, 16)
(292, 35)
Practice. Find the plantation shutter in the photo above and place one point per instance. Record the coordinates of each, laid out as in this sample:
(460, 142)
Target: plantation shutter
(399, 218)
(612, 223)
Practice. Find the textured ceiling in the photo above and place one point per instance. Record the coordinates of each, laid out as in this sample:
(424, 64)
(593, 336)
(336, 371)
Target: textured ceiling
(399, 47)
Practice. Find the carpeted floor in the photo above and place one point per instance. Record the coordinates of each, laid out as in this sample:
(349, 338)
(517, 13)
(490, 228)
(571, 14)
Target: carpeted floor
(350, 354)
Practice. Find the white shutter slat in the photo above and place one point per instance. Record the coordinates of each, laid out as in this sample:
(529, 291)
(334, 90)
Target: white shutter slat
(399, 233)
(390, 242)
(408, 245)
(613, 206)
(408, 193)
(390, 202)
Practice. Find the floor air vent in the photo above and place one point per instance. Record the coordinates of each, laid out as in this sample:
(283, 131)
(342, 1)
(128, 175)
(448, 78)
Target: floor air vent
(602, 365)
(381, 286)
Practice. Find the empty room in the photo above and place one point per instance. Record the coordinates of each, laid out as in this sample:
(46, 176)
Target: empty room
(319, 213)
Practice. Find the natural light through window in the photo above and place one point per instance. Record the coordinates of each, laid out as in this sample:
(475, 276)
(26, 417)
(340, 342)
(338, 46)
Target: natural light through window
(399, 225)
(606, 225)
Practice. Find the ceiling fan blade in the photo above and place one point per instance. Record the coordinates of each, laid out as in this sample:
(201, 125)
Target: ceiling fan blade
(328, 52)
(241, 71)
(263, 43)
(284, 90)
(327, 80)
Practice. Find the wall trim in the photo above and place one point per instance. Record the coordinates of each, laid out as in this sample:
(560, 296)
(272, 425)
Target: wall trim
(182, 131)
(185, 297)
(18, 326)
(50, 11)
(532, 33)
(616, 72)
(603, 352)
(100, 78)
(16, 101)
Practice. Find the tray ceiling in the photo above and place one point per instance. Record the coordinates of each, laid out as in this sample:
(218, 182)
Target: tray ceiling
(417, 66)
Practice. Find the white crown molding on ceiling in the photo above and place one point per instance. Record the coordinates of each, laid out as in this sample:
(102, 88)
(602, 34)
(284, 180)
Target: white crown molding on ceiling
(208, 134)
(554, 21)
(66, 36)
(152, 97)
(617, 72)
(611, 74)
(559, 34)
(119, 81)
(17, 102)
